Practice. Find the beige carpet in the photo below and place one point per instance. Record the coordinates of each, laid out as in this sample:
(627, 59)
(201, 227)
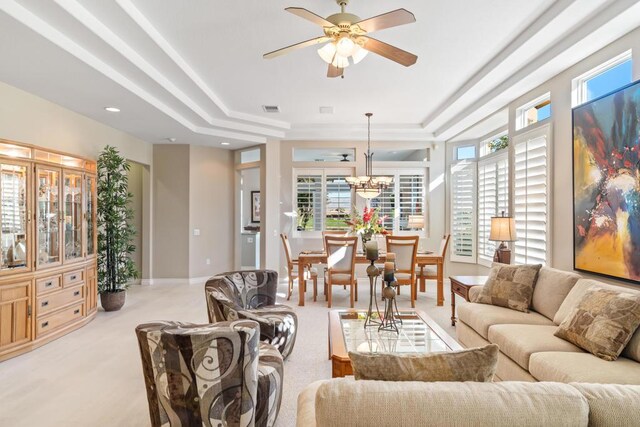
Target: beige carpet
(93, 376)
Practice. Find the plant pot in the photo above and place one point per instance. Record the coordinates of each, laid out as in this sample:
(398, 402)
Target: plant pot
(112, 301)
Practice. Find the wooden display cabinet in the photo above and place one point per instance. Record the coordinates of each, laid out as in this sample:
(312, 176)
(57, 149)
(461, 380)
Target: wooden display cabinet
(48, 243)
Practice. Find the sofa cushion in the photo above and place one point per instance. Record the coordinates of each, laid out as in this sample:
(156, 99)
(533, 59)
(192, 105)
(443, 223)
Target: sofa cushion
(569, 367)
(306, 414)
(519, 342)
(603, 322)
(575, 295)
(611, 404)
(473, 364)
(510, 286)
(481, 316)
(551, 289)
(632, 350)
(474, 291)
(343, 402)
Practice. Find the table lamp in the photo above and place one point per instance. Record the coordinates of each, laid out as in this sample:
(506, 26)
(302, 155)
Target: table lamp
(416, 222)
(503, 229)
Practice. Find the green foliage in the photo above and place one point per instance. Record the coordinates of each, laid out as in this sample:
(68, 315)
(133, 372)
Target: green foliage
(499, 143)
(115, 229)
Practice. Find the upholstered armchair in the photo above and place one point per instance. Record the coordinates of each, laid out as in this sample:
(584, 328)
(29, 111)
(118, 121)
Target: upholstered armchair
(251, 294)
(210, 375)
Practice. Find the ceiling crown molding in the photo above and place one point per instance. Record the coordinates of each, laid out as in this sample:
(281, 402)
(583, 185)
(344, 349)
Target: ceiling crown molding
(134, 13)
(93, 24)
(24, 16)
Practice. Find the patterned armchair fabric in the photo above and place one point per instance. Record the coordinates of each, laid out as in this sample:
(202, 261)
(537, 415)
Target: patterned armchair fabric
(210, 375)
(251, 295)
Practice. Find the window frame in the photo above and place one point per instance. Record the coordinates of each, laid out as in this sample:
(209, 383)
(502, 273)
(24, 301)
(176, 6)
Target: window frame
(521, 112)
(546, 131)
(579, 93)
(396, 173)
(323, 172)
(455, 167)
(482, 240)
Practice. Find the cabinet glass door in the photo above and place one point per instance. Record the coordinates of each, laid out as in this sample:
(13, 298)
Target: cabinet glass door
(90, 213)
(72, 197)
(48, 216)
(14, 216)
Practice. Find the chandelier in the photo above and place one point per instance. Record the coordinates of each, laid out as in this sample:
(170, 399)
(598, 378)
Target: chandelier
(369, 186)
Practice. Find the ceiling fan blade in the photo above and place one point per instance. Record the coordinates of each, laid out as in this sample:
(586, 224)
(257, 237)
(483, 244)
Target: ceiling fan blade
(334, 71)
(390, 52)
(300, 45)
(309, 16)
(387, 20)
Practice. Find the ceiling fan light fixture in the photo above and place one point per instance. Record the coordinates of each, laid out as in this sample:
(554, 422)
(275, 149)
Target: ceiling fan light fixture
(345, 46)
(340, 61)
(358, 54)
(327, 52)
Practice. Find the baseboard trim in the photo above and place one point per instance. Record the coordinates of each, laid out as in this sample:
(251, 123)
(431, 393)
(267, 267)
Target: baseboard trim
(162, 281)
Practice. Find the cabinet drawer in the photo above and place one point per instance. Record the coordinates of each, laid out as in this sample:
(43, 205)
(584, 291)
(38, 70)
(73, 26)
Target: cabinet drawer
(51, 302)
(48, 284)
(72, 277)
(53, 321)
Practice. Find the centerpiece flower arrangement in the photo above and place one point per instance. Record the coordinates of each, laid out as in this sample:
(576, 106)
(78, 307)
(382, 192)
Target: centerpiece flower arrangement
(367, 224)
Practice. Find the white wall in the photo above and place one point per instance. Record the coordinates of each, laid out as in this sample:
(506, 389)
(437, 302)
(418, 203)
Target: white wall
(27, 118)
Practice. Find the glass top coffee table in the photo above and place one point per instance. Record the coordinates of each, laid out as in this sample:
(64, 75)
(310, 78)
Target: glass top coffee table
(418, 334)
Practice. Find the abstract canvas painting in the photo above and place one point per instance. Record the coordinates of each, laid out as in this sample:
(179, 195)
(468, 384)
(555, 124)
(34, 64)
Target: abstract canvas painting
(606, 185)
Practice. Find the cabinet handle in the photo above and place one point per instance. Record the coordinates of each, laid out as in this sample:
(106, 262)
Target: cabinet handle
(76, 293)
(76, 311)
(72, 277)
(44, 303)
(45, 324)
(48, 284)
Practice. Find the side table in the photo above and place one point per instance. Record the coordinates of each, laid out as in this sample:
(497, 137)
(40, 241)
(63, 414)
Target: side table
(460, 285)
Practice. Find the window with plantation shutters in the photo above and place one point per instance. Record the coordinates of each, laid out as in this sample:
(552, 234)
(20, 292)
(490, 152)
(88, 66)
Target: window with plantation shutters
(463, 217)
(406, 196)
(338, 203)
(493, 199)
(531, 196)
(309, 202)
(323, 199)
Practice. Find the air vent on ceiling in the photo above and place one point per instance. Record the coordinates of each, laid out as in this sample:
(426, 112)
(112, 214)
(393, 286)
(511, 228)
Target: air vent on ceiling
(271, 108)
(326, 110)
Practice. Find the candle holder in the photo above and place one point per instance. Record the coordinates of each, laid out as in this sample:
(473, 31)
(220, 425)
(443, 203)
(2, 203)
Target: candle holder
(372, 318)
(391, 318)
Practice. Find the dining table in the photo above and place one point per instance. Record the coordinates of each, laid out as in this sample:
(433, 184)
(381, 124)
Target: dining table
(306, 259)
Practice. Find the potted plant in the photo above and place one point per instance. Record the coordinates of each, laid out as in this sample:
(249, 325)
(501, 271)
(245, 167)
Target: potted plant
(115, 230)
(366, 225)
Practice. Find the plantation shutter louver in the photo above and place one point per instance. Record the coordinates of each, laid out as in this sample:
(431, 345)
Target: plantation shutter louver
(411, 195)
(463, 188)
(493, 198)
(386, 205)
(530, 197)
(309, 202)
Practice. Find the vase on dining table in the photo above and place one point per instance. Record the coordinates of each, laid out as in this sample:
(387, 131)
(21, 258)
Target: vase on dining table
(366, 237)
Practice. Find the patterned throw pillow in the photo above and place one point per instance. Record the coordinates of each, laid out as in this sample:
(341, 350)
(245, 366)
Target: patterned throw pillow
(603, 322)
(510, 286)
(474, 364)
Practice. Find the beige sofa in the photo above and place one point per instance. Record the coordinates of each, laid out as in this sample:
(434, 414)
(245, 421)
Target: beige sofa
(342, 402)
(528, 349)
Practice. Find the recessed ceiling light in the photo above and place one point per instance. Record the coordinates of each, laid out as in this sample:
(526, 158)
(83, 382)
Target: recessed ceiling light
(112, 109)
(171, 139)
(224, 143)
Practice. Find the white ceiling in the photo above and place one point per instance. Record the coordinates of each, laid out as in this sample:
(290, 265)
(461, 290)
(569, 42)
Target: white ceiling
(193, 69)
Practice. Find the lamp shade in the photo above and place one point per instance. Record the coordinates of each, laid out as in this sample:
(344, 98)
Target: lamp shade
(416, 221)
(503, 229)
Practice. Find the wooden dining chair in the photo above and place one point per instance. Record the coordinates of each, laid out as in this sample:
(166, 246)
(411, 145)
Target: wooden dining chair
(406, 250)
(341, 265)
(292, 268)
(334, 233)
(432, 272)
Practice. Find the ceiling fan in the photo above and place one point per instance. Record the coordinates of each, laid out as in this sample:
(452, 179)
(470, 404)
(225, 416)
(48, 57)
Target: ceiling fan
(347, 37)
